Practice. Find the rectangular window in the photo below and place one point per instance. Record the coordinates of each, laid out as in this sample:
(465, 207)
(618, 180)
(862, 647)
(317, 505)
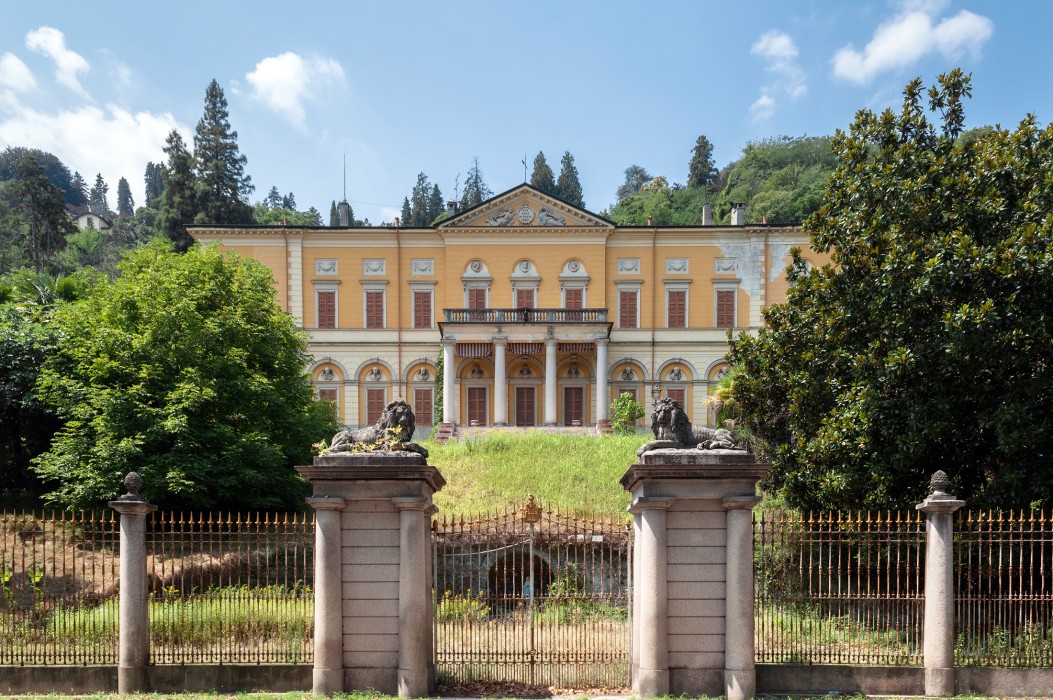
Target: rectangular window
(627, 309)
(574, 298)
(326, 309)
(422, 309)
(374, 310)
(476, 298)
(725, 308)
(374, 405)
(678, 395)
(677, 308)
(422, 406)
(524, 298)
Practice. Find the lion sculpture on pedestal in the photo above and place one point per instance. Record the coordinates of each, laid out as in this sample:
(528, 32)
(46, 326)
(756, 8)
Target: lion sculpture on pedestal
(673, 430)
(392, 433)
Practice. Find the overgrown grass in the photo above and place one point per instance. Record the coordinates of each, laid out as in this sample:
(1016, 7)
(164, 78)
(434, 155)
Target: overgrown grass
(577, 471)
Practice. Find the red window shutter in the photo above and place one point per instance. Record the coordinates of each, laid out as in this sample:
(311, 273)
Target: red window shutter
(326, 309)
(374, 309)
(422, 406)
(422, 309)
(524, 298)
(677, 395)
(374, 405)
(677, 308)
(476, 298)
(627, 309)
(725, 308)
(573, 299)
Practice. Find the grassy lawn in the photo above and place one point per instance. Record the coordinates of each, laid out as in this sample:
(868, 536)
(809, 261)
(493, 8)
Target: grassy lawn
(577, 471)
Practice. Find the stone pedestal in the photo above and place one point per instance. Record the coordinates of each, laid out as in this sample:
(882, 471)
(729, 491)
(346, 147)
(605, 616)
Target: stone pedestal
(373, 601)
(693, 572)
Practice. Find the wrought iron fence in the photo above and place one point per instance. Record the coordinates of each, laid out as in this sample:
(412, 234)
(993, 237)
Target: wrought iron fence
(1004, 588)
(532, 595)
(231, 588)
(839, 588)
(58, 576)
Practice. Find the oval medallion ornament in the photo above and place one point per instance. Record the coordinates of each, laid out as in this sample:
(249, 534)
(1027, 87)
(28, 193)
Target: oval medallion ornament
(525, 214)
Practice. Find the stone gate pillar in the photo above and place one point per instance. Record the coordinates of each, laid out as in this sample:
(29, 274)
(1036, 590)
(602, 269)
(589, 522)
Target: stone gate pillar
(693, 571)
(373, 510)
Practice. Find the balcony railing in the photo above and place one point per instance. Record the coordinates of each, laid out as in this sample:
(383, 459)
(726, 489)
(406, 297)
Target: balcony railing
(525, 315)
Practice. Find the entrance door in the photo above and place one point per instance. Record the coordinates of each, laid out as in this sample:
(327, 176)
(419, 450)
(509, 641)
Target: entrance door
(525, 406)
(573, 405)
(477, 405)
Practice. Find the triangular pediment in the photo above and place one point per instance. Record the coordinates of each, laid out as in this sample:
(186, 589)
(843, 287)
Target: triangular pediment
(525, 207)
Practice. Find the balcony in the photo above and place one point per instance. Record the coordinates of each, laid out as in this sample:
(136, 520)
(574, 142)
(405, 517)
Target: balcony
(525, 315)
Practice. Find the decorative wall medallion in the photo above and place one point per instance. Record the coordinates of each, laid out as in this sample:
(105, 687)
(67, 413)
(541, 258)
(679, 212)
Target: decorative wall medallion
(501, 218)
(676, 375)
(574, 266)
(721, 373)
(477, 266)
(324, 266)
(525, 214)
(423, 374)
(327, 375)
(373, 266)
(547, 217)
(375, 375)
(524, 266)
(628, 265)
(726, 265)
(628, 375)
(573, 372)
(524, 372)
(476, 372)
(423, 266)
(675, 266)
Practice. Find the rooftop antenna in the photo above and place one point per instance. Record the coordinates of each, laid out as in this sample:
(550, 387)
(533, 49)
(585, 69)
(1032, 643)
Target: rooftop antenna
(345, 176)
(524, 167)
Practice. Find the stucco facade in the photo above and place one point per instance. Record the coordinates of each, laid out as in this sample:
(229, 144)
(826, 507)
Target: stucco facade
(544, 311)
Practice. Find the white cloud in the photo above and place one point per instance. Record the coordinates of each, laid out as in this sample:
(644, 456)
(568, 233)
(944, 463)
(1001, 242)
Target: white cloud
(779, 51)
(14, 74)
(910, 35)
(284, 82)
(68, 64)
(111, 141)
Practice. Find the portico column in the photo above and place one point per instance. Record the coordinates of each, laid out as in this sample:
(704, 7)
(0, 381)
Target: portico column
(550, 381)
(448, 370)
(602, 399)
(500, 383)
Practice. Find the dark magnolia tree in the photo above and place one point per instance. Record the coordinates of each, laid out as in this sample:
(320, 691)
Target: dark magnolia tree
(568, 187)
(928, 342)
(185, 370)
(219, 167)
(542, 176)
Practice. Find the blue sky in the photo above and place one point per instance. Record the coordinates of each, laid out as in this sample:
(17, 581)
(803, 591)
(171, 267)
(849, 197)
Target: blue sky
(426, 86)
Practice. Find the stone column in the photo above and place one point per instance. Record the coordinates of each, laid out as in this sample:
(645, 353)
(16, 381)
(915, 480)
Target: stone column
(740, 673)
(414, 599)
(550, 382)
(448, 371)
(133, 635)
(939, 510)
(500, 382)
(328, 597)
(653, 606)
(603, 401)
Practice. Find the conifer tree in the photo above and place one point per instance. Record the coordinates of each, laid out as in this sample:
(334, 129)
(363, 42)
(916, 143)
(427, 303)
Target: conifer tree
(178, 201)
(407, 211)
(701, 172)
(475, 188)
(125, 203)
(44, 211)
(219, 166)
(542, 177)
(568, 187)
(273, 198)
(155, 184)
(79, 189)
(289, 202)
(334, 216)
(435, 204)
(97, 202)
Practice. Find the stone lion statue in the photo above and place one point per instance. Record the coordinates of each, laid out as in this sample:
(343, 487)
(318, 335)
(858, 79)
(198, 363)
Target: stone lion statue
(673, 430)
(397, 423)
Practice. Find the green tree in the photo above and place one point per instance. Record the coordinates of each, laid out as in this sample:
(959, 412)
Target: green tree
(436, 205)
(334, 216)
(542, 176)
(186, 370)
(179, 199)
(43, 210)
(273, 198)
(928, 342)
(475, 189)
(635, 178)
(155, 184)
(418, 200)
(219, 167)
(568, 187)
(80, 189)
(625, 411)
(782, 179)
(407, 211)
(57, 173)
(701, 171)
(97, 201)
(125, 203)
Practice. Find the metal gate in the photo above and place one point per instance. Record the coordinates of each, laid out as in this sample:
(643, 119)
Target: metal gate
(535, 594)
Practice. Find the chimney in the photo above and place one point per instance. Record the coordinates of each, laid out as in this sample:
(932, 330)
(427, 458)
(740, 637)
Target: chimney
(343, 213)
(738, 214)
(650, 221)
(707, 214)
(397, 224)
(451, 208)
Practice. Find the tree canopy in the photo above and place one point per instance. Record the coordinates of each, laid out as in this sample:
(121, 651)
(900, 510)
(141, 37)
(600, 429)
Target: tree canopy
(568, 187)
(928, 342)
(219, 167)
(542, 176)
(701, 172)
(475, 187)
(185, 370)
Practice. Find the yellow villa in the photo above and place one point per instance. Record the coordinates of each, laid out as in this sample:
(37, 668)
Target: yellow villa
(541, 311)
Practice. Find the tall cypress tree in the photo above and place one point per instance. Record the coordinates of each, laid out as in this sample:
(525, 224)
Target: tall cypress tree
(568, 187)
(179, 199)
(155, 184)
(334, 216)
(475, 188)
(435, 205)
(125, 203)
(407, 212)
(701, 172)
(219, 166)
(542, 177)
